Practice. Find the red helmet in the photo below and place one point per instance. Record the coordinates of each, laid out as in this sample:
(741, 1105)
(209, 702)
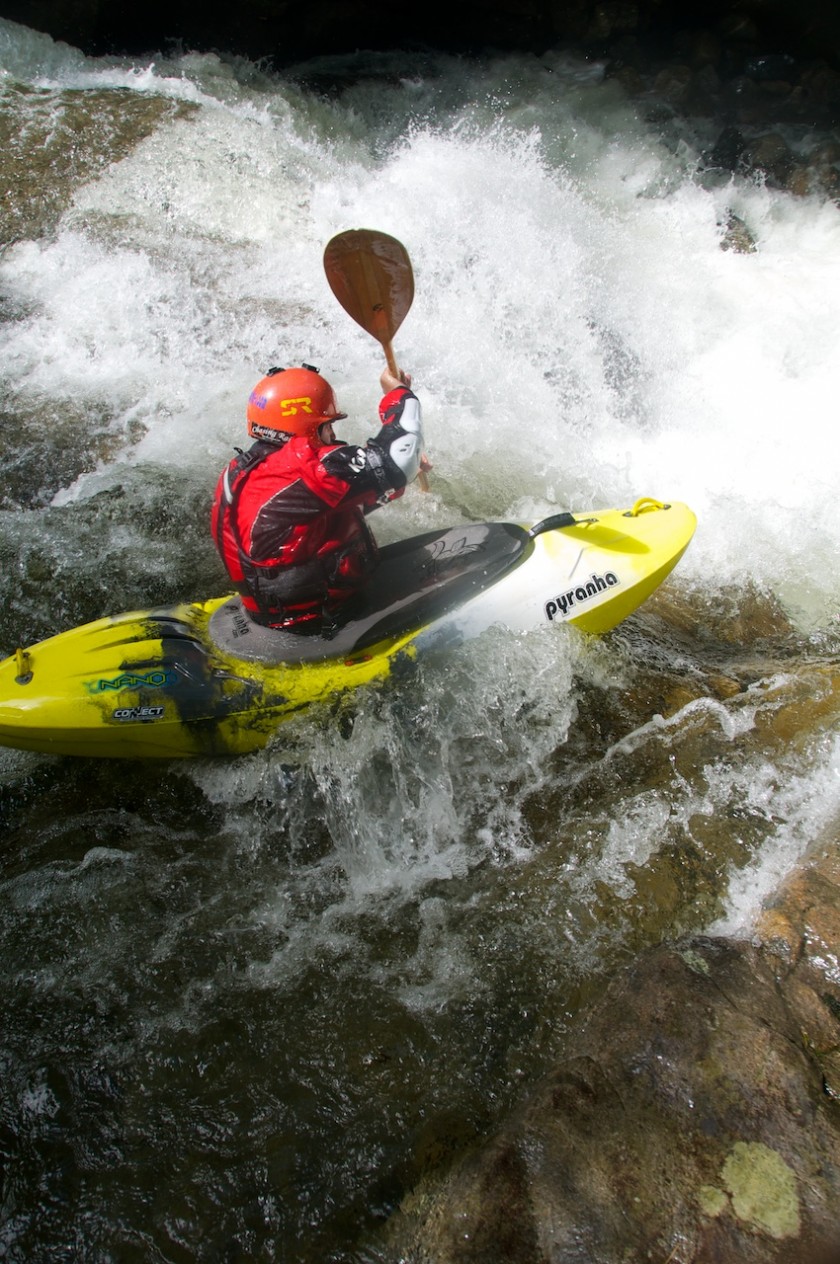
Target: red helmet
(292, 401)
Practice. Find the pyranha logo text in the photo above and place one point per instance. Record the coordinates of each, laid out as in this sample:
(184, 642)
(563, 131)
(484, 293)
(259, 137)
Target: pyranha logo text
(563, 602)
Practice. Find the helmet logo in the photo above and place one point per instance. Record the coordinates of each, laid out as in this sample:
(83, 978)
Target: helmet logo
(288, 407)
(291, 407)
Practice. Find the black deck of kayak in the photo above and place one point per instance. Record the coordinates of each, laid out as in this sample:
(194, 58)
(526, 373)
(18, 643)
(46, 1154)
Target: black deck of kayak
(417, 581)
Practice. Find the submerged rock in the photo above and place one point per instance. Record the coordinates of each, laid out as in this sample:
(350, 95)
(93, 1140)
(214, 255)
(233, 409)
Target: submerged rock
(737, 236)
(53, 141)
(689, 1121)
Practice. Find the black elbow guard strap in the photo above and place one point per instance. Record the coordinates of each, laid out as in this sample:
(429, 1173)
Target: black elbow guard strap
(389, 477)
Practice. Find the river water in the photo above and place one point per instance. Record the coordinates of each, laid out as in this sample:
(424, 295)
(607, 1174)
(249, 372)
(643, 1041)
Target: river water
(247, 1004)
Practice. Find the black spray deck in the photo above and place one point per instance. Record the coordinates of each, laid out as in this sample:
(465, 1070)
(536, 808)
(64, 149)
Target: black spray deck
(417, 581)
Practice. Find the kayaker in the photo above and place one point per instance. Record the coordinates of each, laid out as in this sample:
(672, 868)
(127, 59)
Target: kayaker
(288, 517)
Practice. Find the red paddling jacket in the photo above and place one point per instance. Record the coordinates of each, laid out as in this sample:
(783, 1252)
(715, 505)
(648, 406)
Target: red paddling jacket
(288, 518)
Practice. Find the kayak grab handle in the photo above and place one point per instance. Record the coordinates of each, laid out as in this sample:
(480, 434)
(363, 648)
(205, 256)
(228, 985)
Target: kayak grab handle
(643, 504)
(556, 521)
(551, 524)
(23, 664)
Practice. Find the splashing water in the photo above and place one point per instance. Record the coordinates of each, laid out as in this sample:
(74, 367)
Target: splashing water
(251, 1001)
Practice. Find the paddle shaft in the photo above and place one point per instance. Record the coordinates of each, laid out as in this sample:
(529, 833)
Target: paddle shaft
(390, 358)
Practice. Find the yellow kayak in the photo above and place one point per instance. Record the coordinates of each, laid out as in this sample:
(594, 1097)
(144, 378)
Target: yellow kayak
(201, 679)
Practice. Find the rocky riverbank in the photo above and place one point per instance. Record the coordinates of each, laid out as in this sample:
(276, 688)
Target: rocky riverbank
(771, 118)
(760, 82)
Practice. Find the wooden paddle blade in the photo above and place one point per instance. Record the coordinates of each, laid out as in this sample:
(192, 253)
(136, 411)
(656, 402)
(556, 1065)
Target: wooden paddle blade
(370, 275)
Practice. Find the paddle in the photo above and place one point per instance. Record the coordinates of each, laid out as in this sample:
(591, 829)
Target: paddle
(371, 276)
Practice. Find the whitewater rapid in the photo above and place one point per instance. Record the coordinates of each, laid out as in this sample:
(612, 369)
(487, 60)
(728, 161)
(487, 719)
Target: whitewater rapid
(363, 941)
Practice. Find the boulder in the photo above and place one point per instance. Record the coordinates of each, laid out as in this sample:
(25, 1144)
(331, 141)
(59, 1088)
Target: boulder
(694, 1118)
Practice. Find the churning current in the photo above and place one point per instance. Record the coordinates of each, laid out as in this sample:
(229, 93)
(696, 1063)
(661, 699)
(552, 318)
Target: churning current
(247, 1004)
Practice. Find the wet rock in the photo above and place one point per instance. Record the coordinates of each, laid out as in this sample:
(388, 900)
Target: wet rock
(821, 85)
(629, 78)
(699, 48)
(771, 155)
(800, 180)
(705, 91)
(728, 151)
(689, 1120)
(51, 142)
(673, 84)
(737, 236)
(773, 68)
(823, 167)
(827, 153)
(739, 616)
(800, 928)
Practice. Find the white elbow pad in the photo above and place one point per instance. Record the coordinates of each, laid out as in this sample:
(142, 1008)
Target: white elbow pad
(405, 451)
(411, 417)
(403, 439)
